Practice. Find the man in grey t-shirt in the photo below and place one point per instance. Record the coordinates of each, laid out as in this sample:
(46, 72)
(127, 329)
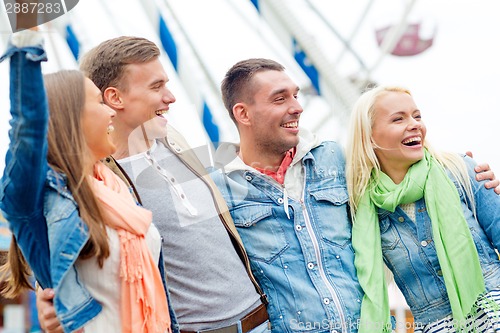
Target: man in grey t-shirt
(202, 266)
(209, 278)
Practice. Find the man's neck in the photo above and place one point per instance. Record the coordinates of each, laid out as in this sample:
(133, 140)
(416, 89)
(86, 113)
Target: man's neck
(129, 145)
(261, 160)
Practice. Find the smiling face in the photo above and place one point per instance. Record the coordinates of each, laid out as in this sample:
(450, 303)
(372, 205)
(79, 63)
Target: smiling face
(398, 132)
(146, 98)
(274, 113)
(96, 122)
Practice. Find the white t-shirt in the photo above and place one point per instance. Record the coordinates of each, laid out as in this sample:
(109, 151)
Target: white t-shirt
(104, 284)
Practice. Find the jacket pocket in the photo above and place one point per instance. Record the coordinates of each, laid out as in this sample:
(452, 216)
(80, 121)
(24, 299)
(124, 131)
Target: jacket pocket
(261, 233)
(330, 215)
(388, 234)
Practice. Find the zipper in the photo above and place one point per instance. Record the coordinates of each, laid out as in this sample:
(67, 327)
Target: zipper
(314, 241)
(285, 202)
(321, 270)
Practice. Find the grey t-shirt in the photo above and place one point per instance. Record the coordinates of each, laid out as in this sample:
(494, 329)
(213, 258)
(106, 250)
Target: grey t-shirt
(208, 283)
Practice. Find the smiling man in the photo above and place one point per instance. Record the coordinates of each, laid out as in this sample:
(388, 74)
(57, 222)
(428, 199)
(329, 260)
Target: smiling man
(287, 194)
(210, 283)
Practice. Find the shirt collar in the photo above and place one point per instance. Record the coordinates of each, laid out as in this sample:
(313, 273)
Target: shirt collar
(279, 175)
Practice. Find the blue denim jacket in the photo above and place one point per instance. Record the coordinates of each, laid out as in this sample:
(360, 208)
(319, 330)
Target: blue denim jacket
(409, 251)
(304, 262)
(34, 199)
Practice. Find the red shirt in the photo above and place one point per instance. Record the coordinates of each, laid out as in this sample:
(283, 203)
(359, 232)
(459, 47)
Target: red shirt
(279, 175)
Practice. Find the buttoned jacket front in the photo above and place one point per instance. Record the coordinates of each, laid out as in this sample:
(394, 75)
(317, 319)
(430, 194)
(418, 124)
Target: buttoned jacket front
(299, 247)
(409, 250)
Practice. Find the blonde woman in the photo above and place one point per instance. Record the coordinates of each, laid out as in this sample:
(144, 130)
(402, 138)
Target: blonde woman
(424, 215)
(74, 223)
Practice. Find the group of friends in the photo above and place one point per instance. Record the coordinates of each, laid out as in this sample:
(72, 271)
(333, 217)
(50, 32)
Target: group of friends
(126, 228)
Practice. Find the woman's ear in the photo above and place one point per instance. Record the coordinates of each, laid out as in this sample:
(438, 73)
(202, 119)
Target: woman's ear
(112, 97)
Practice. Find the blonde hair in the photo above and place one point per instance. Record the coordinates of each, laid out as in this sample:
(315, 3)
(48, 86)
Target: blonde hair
(360, 149)
(68, 154)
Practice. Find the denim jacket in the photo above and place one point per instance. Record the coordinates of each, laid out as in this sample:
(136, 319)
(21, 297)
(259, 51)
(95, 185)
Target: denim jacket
(410, 253)
(299, 246)
(42, 213)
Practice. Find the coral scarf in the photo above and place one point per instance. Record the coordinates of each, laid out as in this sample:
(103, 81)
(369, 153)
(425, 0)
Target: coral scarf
(144, 305)
(455, 247)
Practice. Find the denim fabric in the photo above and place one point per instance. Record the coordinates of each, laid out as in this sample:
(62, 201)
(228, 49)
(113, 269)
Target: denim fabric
(410, 253)
(25, 173)
(304, 263)
(35, 200)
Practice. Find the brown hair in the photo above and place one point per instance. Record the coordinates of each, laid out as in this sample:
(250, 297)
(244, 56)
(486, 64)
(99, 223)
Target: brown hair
(106, 63)
(67, 153)
(236, 85)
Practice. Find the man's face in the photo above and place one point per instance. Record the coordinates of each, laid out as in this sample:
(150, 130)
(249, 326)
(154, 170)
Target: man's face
(274, 112)
(146, 98)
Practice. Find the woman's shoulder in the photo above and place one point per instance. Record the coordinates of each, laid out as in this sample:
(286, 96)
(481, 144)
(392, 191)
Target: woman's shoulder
(457, 161)
(58, 202)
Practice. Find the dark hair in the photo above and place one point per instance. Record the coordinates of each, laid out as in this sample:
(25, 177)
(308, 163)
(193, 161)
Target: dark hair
(237, 83)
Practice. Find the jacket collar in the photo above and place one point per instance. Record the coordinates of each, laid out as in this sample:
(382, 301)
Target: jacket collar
(226, 156)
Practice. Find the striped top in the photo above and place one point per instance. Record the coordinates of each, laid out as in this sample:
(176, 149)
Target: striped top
(485, 321)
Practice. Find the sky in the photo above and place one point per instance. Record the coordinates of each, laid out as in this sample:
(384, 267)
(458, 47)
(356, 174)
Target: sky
(455, 82)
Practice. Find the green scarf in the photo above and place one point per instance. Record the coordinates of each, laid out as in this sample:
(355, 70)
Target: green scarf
(455, 247)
